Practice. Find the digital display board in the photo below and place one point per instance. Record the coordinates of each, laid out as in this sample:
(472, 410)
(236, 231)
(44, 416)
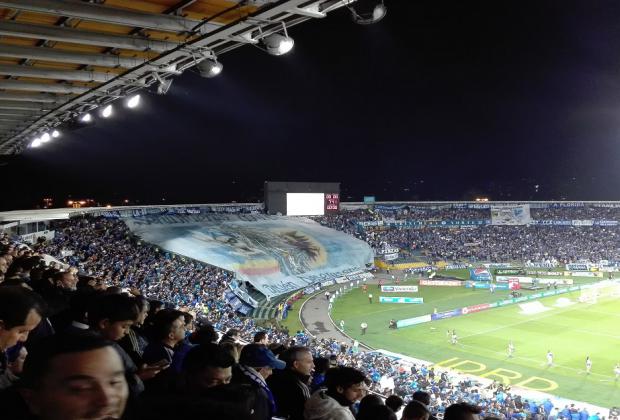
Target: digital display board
(332, 203)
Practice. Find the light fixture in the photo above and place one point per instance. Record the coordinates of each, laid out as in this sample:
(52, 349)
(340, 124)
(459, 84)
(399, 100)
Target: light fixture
(45, 137)
(278, 44)
(55, 134)
(36, 142)
(164, 84)
(107, 111)
(86, 118)
(133, 101)
(209, 68)
(367, 12)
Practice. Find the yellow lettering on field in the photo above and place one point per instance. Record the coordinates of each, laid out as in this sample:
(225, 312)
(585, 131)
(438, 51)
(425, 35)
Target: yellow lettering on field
(468, 366)
(504, 375)
(443, 362)
(538, 384)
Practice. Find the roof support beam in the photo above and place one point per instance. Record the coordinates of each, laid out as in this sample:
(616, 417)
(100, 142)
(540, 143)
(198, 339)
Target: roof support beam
(42, 87)
(50, 73)
(24, 105)
(63, 56)
(15, 113)
(43, 97)
(107, 14)
(78, 36)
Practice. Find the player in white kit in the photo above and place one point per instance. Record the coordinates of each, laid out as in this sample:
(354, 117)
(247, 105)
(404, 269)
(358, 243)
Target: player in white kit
(549, 358)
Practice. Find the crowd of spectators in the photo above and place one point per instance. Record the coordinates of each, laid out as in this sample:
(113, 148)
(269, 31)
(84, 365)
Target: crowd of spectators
(120, 329)
(555, 244)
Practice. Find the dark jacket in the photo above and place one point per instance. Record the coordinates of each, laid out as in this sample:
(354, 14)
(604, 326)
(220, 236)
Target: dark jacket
(290, 392)
(262, 405)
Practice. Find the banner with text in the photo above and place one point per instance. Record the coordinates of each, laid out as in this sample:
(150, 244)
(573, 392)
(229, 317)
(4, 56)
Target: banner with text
(386, 299)
(510, 214)
(404, 289)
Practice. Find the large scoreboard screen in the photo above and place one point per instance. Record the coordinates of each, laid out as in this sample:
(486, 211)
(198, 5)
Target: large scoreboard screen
(302, 198)
(332, 203)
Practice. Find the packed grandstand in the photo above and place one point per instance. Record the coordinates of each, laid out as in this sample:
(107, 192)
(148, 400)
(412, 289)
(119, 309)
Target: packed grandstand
(102, 268)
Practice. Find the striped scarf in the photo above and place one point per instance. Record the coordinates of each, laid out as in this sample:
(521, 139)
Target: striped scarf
(258, 380)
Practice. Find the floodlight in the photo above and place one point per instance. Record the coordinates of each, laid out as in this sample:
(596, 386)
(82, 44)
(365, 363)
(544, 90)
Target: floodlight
(86, 118)
(107, 111)
(164, 85)
(36, 142)
(367, 12)
(278, 44)
(55, 134)
(209, 68)
(45, 137)
(133, 102)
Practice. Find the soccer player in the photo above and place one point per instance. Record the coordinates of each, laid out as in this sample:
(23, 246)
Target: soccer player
(617, 371)
(454, 339)
(588, 365)
(511, 349)
(549, 358)
(342, 325)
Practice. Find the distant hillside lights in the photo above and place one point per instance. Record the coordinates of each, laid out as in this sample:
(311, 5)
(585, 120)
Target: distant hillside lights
(77, 204)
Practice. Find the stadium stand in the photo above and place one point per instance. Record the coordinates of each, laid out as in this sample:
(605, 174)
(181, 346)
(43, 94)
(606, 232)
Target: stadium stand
(173, 309)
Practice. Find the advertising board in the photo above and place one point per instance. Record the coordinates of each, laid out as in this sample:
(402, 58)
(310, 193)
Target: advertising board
(403, 289)
(400, 299)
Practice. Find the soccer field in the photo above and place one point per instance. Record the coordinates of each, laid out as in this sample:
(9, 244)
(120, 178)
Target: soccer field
(571, 333)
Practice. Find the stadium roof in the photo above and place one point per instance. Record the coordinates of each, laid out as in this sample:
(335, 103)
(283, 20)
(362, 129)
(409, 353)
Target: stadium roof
(62, 58)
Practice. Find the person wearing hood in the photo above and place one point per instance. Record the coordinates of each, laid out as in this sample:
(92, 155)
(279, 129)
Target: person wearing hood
(290, 385)
(345, 386)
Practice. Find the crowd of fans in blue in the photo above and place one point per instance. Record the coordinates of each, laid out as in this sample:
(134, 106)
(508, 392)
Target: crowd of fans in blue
(118, 329)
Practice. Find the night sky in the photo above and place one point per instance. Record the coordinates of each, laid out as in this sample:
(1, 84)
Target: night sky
(440, 100)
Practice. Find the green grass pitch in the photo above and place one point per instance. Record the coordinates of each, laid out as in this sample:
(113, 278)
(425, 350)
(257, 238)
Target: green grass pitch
(571, 333)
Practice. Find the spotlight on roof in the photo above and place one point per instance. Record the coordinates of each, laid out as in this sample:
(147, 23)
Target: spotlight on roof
(164, 86)
(209, 68)
(55, 134)
(86, 118)
(45, 137)
(36, 143)
(133, 101)
(367, 12)
(278, 44)
(107, 111)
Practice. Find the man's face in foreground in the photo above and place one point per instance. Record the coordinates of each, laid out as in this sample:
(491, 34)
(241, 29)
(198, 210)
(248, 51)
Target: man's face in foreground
(87, 385)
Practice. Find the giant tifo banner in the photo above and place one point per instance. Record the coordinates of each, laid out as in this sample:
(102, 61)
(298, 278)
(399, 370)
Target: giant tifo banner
(510, 214)
(275, 254)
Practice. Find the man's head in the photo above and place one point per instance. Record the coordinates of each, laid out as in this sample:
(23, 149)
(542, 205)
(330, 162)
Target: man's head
(74, 378)
(347, 383)
(261, 338)
(65, 280)
(21, 311)
(261, 359)
(422, 396)
(112, 315)
(415, 410)
(395, 402)
(299, 359)
(462, 411)
(143, 309)
(207, 365)
(168, 327)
